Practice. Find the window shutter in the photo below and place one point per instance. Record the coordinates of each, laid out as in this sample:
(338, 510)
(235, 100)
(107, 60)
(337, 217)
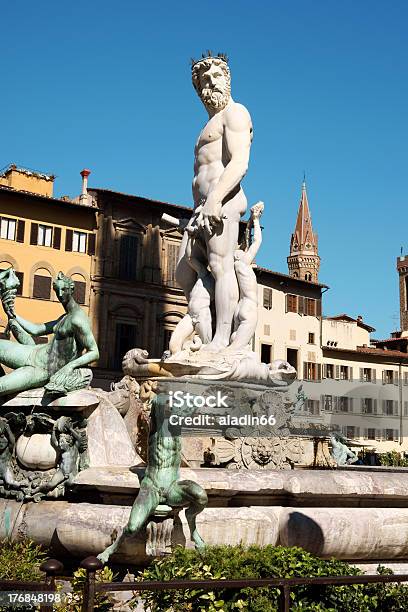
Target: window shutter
(350, 374)
(337, 372)
(395, 408)
(357, 432)
(128, 257)
(383, 377)
(91, 244)
(405, 378)
(374, 375)
(375, 406)
(395, 378)
(68, 240)
(34, 233)
(362, 406)
(20, 276)
(305, 370)
(56, 239)
(324, 370)
(20, 230)
(267, 298)
(319, 371)
(80, 292)
(366, 433)
(361, 375)
(319, 308)
(42, 287)
(396, 435)
(350, 404)
(172, 256)
(301, 305)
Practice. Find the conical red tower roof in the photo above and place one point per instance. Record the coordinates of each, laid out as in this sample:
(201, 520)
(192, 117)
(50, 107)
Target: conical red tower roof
(303, 240)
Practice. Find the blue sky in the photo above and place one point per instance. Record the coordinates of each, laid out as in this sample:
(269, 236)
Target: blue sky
(107, 86)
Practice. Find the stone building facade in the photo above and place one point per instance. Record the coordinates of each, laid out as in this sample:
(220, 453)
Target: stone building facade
(41, 235)
(135, 300)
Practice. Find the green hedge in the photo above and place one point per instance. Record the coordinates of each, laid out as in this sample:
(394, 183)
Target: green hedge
(255, 562)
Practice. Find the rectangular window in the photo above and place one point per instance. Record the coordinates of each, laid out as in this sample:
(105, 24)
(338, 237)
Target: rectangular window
(390, 434)
(311, 307)
(390, 407)
(367, 375)
(311, 338)
(44, 235)
(267, 298)
(8, 228)
(79, 242)
(172, 257)
(351, 431)
(388, 377)
(344, 404)
(344, 372)
(371, 434)
(367, 405)
(311, 371)
(42, 287)
(291, 303)
(267, 330)
(292, 334)
(312, 407)
(329, 370)
(266, 353)
(328, 403)
(128, 257)
(80, 292)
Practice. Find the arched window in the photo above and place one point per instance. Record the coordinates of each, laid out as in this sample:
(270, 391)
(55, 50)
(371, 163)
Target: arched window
(42, 284)
(80, 288)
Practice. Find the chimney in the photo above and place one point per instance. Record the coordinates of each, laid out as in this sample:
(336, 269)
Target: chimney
(84, 198)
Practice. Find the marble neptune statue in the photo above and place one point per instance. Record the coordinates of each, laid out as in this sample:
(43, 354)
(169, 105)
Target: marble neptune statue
(221, 161)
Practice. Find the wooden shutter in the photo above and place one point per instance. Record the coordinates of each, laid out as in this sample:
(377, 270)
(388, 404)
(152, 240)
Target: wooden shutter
(395, 377)
(80, 292)
(128, 257)
(395, 408)
(375, 406)
(172, 256)
(311, 307)
(319, 308)
(301, 305)
(34, 233)
(350, 374)
(405, 378)
(20, 230)
(42, 287)
(337, 376)
(91, 244)
(383, 377)
(267, 298)
(374, 375)
(361, 374)
(305, 371)
(68, 239)
(319, 371)
(56, 238)
(350, 404)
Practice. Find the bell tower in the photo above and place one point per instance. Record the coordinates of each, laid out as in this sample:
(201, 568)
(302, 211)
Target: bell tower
(304, 260)
(402, 267)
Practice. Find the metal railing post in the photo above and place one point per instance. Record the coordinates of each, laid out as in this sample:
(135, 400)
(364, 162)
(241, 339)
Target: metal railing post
(91, 565)
(284, 599)
(51, 567)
